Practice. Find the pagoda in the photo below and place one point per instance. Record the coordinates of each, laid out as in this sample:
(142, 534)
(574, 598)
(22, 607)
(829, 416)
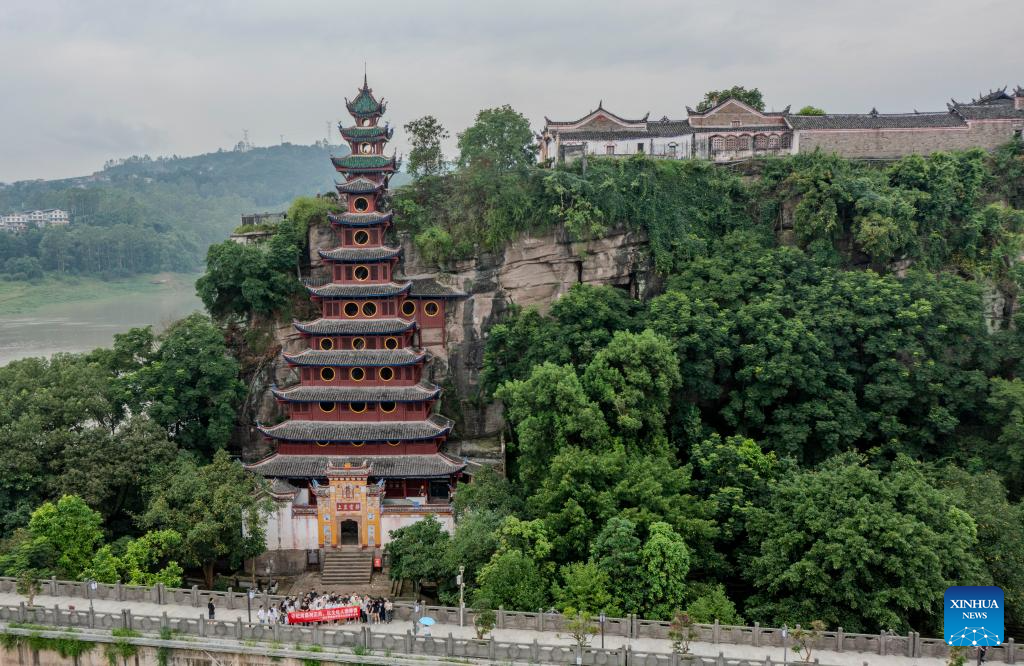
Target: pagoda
(359, 452)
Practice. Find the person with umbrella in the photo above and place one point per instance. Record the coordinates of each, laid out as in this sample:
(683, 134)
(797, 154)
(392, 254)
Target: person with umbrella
(426, 622)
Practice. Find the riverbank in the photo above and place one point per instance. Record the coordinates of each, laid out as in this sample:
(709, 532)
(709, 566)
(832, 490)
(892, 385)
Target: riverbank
(81, 314)
(18, 297)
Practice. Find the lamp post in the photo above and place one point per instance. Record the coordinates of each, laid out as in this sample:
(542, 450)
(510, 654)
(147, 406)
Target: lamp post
(90, 586)
(602, 618)
(461, 580)
(248, 603)
(785, 646)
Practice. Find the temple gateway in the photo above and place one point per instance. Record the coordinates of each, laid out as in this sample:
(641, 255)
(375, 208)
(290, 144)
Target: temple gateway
(359, 453)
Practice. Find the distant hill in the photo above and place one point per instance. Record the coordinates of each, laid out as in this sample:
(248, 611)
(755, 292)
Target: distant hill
(143, 215)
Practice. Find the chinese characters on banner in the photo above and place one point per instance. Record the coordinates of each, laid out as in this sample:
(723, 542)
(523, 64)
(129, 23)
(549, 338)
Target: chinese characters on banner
(324, 615)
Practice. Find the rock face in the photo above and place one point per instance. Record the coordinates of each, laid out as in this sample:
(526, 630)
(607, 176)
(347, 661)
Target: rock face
(533, 271)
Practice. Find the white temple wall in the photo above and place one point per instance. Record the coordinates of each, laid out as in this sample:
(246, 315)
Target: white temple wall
(288, 532)
(393, 521)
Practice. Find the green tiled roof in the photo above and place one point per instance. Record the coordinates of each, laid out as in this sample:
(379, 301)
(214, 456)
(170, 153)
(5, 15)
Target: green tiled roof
(367, 132)
(363, 163)
(364, 104)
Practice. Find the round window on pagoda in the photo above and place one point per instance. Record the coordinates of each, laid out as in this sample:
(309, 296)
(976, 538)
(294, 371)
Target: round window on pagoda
(362, 237)
(390, 343)
(357, 374)
(327, 407)
(364, 122)
(358, 444)
(361, 273)
(351, 309)
(431, 309)
(357, 407)
(358, 343)
(387, 407)
(369, 309)
(327, 344)
(386, 374)
(362, 204)
(327, 374)
(322, 443)
(365, 148)
(394, 443)
(408, 308)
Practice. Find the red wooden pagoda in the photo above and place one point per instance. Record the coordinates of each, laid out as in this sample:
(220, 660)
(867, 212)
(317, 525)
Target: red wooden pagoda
(359, 452)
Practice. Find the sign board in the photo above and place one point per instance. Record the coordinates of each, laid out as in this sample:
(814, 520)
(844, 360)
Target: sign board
(349, 506)
(324, 615)
(972, 615)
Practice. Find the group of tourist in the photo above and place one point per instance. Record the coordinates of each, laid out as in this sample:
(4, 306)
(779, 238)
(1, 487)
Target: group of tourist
(372, 610)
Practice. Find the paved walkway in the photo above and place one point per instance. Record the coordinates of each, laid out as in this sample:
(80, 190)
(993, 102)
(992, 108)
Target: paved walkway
(508, 635)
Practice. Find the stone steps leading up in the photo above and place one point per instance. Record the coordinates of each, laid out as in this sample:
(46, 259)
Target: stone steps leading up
(347, 567)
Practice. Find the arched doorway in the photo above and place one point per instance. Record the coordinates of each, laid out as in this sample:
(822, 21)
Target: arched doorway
(348, 534)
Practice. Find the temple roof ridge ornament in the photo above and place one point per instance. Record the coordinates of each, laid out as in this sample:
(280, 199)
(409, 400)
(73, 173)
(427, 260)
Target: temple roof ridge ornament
(365, 105)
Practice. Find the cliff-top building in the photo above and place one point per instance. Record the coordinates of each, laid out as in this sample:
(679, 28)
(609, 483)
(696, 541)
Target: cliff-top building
(732, 130)
(359, 453)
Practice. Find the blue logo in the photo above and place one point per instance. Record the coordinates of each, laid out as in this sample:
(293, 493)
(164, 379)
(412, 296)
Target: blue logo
(973, 616)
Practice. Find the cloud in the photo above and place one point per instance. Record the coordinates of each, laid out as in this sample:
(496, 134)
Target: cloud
(106, 78)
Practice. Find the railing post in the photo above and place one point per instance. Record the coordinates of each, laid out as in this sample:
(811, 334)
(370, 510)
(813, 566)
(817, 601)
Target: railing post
(1011, 658)
(238, 628)
(22, 612)
(118, 591)
(202, 625)
(840, 640)
(534, 651)
(408, 641)
(449, 645)
(881, 643)
(230, 599)
(490, 649)
(757, 634)
(715, 635)
(56, 614)
(540, 620)
(92, 618)
(53, 586)
(462, 614)
(367, 638)
(500, 623)
(195, 596)
(165, 622)
(910, 644)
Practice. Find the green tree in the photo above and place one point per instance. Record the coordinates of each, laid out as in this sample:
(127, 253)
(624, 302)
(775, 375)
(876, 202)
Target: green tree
(585, 588)
(218, 509)
(191, 386)
(488, 491)
(499, 139)
(858, 548)
(711, 604)
(665, 561)
(417, 552)
(73, 531)
(426, 135)
(616, 552)
(810, 111)
(751, 97)
(513, 581)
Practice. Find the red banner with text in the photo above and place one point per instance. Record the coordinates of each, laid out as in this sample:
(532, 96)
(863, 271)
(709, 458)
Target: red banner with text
(324, 615)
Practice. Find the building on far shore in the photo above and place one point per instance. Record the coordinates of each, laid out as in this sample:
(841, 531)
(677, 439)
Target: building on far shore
(732, 130)
(17, 222)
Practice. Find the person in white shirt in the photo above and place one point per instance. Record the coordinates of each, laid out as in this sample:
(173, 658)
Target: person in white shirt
(261, 615)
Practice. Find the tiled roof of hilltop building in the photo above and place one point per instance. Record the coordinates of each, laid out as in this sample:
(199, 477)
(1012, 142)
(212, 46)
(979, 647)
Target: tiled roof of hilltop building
(604, 135)
(840, 121)
(337, 290)
(1001, 110)
(355, 326)
(420, 466)
(360, 219)
(358, 431)
(431, 288)
(742, 128)
(355, 255)
(360, 185)
(303, 393)
(600, 107)
(347, 358)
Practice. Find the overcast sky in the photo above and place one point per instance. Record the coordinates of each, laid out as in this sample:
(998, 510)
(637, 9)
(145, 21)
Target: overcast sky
(83, 81)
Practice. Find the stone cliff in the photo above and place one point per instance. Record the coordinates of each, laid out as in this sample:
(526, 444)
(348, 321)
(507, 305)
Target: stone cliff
(533, 271)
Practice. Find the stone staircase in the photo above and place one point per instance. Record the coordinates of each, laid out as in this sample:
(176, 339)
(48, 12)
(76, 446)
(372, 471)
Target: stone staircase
(347, 567)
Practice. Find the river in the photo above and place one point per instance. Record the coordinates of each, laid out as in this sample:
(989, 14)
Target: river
(80, 326)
